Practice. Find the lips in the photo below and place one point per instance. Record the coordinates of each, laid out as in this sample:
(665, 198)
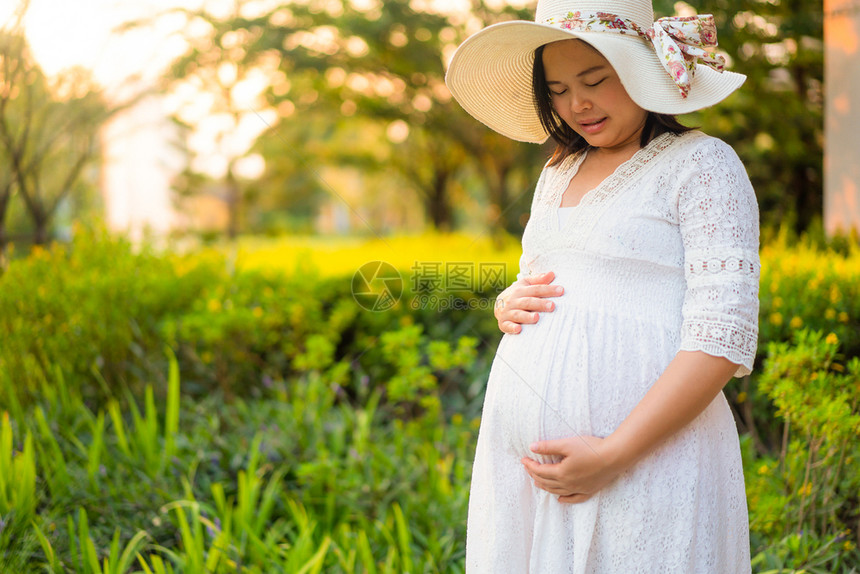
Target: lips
(592, 125)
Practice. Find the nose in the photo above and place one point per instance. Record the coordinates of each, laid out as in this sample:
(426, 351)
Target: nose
(579, 102)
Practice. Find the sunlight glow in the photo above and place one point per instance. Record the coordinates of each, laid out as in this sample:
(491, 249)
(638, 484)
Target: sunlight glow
(141, 155)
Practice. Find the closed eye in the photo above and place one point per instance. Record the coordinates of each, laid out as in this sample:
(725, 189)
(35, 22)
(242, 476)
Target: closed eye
(597, 83)
(558, 93)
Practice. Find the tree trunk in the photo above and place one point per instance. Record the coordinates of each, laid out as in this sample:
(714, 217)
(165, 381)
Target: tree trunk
(234, 200)
(41, 236)
(809, 198)
(438, 202)
(502, 217)
(4, 240)
(4, 244)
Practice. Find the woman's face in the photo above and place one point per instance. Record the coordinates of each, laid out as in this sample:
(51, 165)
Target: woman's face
(587, 94)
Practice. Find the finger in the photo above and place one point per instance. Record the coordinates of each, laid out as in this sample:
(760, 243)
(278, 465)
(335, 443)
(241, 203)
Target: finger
(531, 304)
(544, 290)
(510, 327)
(520, 316)
(548, 485)
(550, 447)
(546, 472)
(543, 278)
(511, 321)
(554, 489)
(574, 498)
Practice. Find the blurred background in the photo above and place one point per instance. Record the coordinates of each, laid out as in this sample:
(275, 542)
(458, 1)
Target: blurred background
(222, 118)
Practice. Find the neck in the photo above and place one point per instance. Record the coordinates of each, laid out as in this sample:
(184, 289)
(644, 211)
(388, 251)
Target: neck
(624, 149)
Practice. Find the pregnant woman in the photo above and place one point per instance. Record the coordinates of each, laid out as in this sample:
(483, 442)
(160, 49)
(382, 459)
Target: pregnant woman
(606, 444)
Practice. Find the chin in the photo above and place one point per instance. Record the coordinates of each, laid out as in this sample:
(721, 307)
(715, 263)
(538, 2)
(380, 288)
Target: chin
(597, 141)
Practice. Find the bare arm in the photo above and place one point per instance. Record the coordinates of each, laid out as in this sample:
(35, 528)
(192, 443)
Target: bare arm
(683, 391)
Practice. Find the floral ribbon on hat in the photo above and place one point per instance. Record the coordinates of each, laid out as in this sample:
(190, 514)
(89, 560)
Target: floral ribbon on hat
(680, 42)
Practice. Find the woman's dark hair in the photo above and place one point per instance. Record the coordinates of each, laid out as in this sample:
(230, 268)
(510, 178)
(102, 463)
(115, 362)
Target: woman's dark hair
(570, 142)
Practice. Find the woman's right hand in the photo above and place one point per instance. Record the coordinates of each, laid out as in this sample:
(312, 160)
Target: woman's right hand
(522, 302)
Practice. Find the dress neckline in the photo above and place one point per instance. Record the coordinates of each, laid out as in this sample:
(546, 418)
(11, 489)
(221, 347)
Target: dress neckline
(606, 188)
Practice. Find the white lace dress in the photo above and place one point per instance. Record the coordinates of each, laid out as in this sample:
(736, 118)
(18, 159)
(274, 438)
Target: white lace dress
(661, 257)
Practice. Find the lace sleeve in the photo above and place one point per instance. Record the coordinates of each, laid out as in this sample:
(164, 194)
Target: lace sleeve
(718, 215)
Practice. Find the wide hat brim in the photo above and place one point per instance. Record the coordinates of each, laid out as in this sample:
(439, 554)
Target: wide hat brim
(490, 76)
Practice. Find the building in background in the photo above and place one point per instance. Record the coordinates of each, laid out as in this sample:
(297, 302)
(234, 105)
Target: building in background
(842, 116)
(140, 161)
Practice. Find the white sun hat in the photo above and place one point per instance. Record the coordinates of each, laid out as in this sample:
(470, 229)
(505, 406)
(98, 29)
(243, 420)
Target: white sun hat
(665, 66)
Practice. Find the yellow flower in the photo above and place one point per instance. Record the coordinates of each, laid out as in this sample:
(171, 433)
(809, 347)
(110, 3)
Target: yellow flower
(764, 469)
(832, 339)
(776, 319)
(742, 397)
(843, 317)
(814, 376)
(796, 322)
(835, 295)
(457, 419)
(848, 545)
(830, 314)
(257, 312)
(806, 489)
(214, 305)
(777, 302)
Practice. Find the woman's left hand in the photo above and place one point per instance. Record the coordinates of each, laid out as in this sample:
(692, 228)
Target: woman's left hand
(585, 467)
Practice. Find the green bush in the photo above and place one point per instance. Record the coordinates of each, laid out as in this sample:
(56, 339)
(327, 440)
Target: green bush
(94, 305)
(812, 484)
(312, 434)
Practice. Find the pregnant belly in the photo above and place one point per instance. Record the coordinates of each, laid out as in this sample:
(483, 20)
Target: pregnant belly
(558, 378)
(534, 391)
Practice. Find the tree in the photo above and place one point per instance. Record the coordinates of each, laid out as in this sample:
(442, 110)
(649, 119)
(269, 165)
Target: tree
(431, 165)
(382, 62)
(218, 71)
(299, 149)
(48, 132)
(393, 60)
(775, 121)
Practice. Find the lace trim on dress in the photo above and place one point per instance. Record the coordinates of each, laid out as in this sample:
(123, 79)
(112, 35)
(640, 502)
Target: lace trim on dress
(596, 201)
(721, 337)
(717, 265)
(553, 190)
(543, 229)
